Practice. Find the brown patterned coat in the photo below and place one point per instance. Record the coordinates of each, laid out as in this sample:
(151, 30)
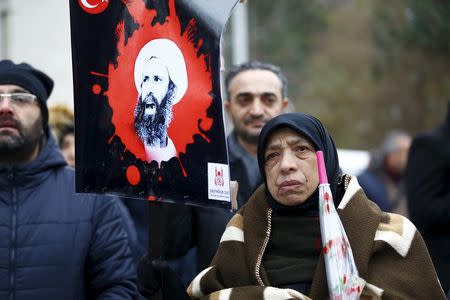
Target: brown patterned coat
(389, 252)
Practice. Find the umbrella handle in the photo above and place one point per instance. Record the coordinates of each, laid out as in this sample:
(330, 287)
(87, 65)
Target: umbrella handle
(321, 167)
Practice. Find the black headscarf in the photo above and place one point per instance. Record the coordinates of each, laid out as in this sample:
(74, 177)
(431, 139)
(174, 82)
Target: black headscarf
(311, 128)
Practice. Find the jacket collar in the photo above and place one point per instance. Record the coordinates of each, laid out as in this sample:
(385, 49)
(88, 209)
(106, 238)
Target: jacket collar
(34, 171)
(235, 150)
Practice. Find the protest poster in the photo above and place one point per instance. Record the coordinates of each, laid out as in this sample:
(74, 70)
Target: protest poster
(148, 109)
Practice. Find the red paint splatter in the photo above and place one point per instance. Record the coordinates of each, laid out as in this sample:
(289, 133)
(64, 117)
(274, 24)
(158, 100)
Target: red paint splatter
(327, 196)
(325, 250)
(133, 175)
(122, 94)
(99, 74)
(344, 279)
(96, 89)
(328, 208)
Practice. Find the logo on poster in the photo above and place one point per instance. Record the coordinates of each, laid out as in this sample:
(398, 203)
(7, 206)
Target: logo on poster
(93, 6)
(218, 179)
(218, 182)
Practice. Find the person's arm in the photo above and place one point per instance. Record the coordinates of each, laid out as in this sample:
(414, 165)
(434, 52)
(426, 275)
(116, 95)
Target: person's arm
(239, 292)
(400, 266)
(427, 183)
(229, 276)
(130, 229)
(156, 275)
(111, 271)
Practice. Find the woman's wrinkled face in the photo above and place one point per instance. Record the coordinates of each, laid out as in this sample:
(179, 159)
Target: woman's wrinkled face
(290, 164)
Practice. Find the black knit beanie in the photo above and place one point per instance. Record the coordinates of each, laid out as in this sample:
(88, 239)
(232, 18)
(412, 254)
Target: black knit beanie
(31, 79)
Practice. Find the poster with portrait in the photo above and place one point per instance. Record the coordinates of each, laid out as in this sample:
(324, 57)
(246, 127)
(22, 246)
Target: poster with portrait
(148, 110)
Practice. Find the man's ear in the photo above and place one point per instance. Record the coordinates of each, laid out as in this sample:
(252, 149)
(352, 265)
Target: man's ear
(226, 105)
(285, 103)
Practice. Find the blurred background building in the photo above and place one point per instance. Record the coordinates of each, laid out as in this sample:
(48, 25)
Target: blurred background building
(38, 32)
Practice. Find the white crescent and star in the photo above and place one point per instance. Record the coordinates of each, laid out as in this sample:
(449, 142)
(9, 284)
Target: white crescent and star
(87, 4)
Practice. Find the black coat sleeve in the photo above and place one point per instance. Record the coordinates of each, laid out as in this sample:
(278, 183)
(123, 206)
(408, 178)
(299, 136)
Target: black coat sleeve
(110, 265)
(428, 182)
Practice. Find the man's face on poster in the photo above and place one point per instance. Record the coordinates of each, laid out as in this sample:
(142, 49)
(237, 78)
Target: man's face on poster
(153, 111)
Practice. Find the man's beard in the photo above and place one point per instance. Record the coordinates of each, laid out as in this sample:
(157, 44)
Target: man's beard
(246, 135)
(19, 147)
(152, 129)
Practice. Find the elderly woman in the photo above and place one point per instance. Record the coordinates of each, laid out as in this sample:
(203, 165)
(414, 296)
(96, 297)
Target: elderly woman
(271, 248)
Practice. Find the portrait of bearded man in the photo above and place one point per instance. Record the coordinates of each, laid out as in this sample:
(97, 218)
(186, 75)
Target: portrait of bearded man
(161, 81)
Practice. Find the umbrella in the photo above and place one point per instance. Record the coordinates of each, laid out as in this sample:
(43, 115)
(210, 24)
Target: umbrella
(344, 282)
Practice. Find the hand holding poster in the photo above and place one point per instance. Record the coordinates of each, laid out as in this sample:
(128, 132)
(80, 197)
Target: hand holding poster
(148, 110)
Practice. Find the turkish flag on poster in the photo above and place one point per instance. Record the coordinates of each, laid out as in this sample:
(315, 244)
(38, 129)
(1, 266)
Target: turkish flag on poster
(148, 108)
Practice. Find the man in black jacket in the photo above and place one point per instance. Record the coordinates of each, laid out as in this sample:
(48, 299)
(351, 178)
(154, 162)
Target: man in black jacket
(428, 191)
(54, 243)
